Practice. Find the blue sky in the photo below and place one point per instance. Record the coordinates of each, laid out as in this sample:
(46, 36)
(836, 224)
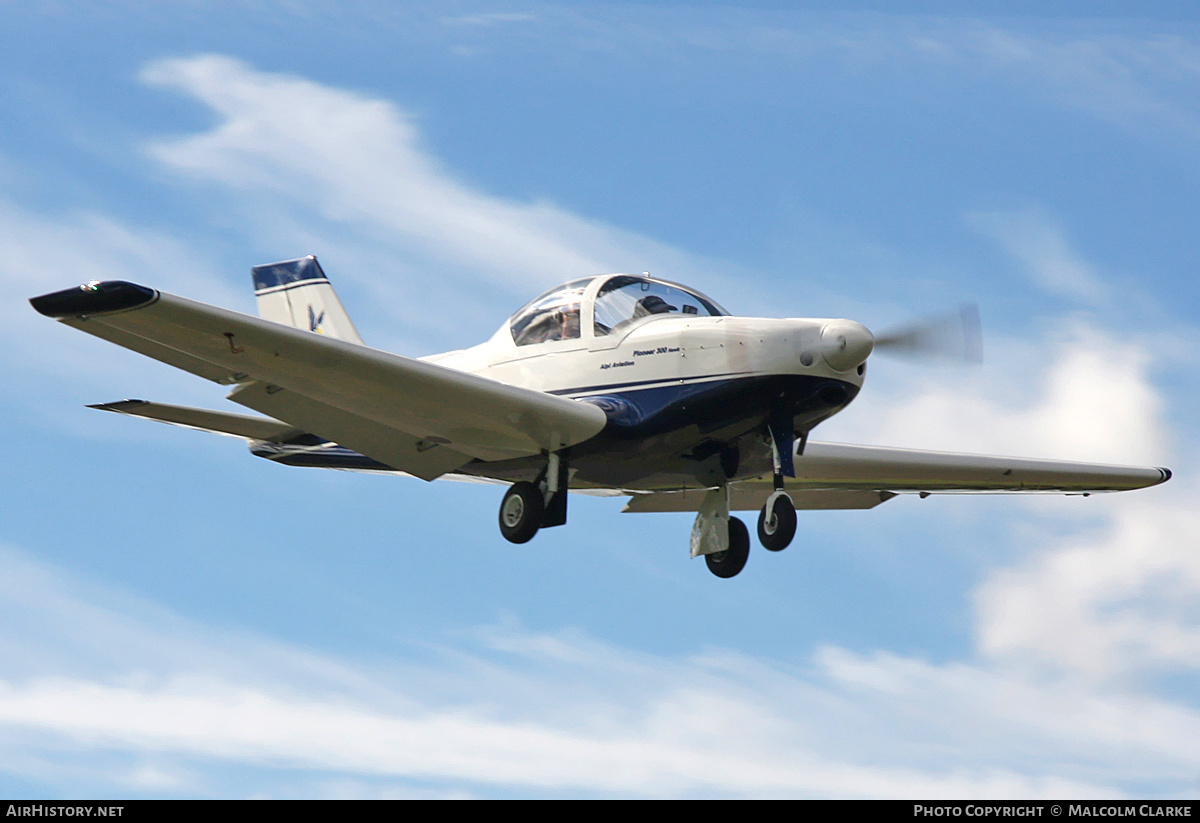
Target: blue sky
(179, 619)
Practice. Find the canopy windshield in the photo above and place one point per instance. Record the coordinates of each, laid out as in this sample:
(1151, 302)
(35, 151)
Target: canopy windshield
(553, 315)
(625, 299)
(621, 301)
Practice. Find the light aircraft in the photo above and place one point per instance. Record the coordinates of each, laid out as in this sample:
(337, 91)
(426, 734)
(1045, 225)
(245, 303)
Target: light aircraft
(614, 384)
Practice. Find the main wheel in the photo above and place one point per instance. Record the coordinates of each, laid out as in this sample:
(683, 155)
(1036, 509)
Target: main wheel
(521, 512)
(776, 532)
(732, 560)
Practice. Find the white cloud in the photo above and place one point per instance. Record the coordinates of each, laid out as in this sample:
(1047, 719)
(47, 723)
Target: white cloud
(1084, 396)
(1117, 604)
(1112, 602)
(438, 262)
(533, 713)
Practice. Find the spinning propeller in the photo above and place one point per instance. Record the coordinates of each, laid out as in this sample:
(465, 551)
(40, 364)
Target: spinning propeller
(954, 336)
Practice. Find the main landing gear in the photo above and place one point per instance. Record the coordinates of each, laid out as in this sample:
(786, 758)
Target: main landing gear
(776, 528)
(521, 512)
(528, 507)
(776, 521)
(731, 561)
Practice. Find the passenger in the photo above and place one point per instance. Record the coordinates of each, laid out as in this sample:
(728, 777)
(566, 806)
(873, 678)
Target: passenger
(652, 305)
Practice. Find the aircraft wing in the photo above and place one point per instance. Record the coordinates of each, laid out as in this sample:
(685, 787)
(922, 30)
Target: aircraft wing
(841, 476)
(415, 416)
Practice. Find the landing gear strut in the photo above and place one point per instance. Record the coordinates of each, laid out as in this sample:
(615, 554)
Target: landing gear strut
(777, 520)
(731, 561)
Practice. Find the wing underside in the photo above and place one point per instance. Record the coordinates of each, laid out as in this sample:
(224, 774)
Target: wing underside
(842, 476)
(411, 415)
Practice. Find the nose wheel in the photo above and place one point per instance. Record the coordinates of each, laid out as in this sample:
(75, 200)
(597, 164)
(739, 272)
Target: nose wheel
(777, 522)
(731, 561)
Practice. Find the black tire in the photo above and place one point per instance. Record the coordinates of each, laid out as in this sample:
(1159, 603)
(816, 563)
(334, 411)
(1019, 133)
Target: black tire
(521, 512)
(731, 561)
(776, 534)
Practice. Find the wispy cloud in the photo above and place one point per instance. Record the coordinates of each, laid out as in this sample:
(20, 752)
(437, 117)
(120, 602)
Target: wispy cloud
(1137, 79)
(1039, 244)
(359, 163)
(46, 252)
(1125, 79)
(489, 19)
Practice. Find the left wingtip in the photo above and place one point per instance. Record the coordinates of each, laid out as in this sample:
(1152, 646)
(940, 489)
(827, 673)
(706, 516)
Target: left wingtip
(119, 406)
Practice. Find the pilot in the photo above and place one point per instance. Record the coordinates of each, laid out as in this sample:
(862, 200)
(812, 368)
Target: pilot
(653, 304)
(569, 322)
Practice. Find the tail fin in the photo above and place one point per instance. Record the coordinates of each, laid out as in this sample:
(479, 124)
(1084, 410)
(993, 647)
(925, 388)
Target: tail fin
(297, 293)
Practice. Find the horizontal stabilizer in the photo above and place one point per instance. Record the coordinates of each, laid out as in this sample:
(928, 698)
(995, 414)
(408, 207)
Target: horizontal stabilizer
(248, 426)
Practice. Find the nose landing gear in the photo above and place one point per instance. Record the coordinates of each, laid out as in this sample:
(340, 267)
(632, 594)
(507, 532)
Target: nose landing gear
(777, 522)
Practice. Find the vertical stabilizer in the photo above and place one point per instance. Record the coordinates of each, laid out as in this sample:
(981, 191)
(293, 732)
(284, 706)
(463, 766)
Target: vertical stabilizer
(297, 293)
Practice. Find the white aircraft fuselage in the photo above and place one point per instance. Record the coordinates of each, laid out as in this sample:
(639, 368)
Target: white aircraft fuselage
(686, 397)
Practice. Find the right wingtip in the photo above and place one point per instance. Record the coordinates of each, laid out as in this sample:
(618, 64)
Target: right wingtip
(95, 297)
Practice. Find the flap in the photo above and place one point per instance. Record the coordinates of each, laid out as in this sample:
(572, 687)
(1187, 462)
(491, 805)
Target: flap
(751, 496)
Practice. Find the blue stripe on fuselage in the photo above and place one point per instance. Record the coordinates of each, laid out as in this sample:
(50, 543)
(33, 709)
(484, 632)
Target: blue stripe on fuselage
(636, 410)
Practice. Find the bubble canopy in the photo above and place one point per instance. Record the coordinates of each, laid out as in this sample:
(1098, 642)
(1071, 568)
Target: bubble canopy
(604, 305)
